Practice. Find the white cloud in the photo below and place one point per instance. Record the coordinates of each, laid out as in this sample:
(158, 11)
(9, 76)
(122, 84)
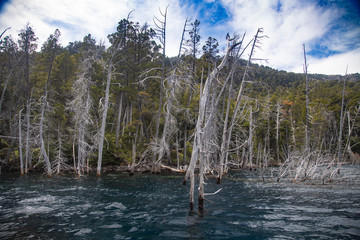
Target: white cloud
(76, 19)
(335, 64)
(288, 26)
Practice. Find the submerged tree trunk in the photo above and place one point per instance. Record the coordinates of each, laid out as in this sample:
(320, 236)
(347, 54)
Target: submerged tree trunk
(198, 135)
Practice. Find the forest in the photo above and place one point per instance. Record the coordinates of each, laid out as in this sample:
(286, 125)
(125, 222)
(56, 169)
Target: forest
(86, 108)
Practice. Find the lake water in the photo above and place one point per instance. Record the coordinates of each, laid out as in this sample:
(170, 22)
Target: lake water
(145, 206)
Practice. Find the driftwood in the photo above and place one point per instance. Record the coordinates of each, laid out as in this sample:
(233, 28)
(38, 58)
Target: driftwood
(172, 169)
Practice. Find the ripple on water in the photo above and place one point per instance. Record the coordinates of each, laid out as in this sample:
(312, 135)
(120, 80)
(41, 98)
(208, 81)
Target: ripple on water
(39, 200)
(112, 226)
(155, 207)
(28, 210)
(116, 205)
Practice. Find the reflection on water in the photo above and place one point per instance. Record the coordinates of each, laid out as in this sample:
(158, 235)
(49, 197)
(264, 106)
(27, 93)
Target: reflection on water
(150, 206)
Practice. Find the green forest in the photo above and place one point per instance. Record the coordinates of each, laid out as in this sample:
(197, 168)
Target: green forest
(87, 108)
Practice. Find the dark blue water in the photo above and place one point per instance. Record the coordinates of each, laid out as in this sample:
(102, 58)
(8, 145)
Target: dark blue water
(117, 206)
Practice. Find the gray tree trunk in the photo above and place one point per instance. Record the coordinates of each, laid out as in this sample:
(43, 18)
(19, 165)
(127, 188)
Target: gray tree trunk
(199, 129)
(20, 145)
(307, 130)
(162, 32)
(118, 120)
(341, 121)
(103, 119)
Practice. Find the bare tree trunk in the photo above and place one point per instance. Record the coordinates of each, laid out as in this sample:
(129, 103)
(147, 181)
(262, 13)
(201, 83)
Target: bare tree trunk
(134, 151)
(27, 140)
(240, 93)
(74, 157)
(103, 119)
(307, 138)
(42, 143)
(201, 182)
(161, 30)
(224, 143)
(110, 67)
(341, 121)
(118, 120)
(177, 152)
(20, 145)
(278, 109)
(125, 119)
(59, 157)
(250, 141)
(197, 147)
(184, 149)
(292, 124)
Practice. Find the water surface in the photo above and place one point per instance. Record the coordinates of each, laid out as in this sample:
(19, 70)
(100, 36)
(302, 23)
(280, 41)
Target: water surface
(143, 206)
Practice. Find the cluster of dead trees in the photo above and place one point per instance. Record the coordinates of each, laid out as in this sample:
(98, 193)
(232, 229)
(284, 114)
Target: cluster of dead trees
(129, 102)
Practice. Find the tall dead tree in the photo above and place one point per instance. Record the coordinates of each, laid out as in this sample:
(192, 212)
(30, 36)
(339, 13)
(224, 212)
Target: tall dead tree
(223, 146)
(81, 105)
(255, 41)
(161, 32)
(173, 88)
(277, 136)
(27, 44)
(21, 145)
(52, 48)
(307, 126)
(109, 76)
(197, 155)
(341, 120)
(109, 67)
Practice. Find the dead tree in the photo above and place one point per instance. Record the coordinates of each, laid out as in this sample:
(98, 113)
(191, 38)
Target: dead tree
(197, 155)
(52, 42)
(341, 121)
(173, 88)
(277, 137)
(234, 118)
(161, 31)
(109, 67)
(118, 120)
(21, 146)
(81, 105)
(227, 115)
(307, 126)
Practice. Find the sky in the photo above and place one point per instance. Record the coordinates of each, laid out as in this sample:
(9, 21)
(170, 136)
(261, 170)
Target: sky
(330, 29)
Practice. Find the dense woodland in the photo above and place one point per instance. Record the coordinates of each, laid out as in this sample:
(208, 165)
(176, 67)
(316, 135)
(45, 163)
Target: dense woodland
(84, 107)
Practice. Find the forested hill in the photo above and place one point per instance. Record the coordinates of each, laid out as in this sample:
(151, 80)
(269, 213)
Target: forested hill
(84, 106)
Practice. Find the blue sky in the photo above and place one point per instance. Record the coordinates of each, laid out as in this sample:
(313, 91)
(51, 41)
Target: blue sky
(330, 29)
